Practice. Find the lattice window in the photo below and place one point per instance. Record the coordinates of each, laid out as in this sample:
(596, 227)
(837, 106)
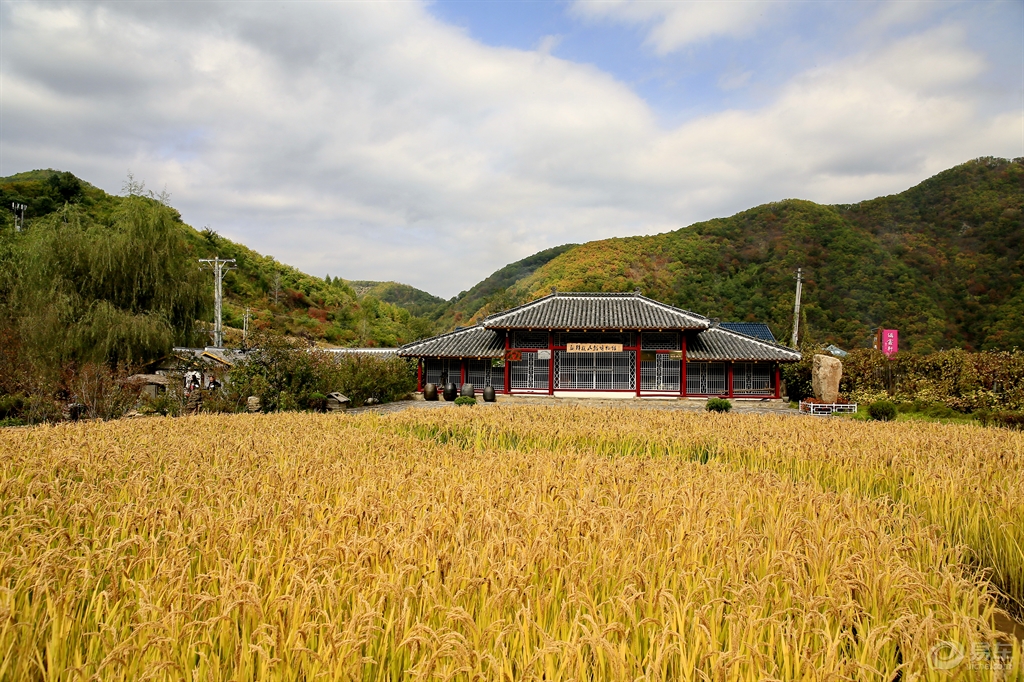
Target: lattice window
(596, 371)
(480, 373)
(660, 341)
(441, 372)
(529, 339)
(705, 378)
(660, 374)
(529, 373)
(752, 378)
(565, 338)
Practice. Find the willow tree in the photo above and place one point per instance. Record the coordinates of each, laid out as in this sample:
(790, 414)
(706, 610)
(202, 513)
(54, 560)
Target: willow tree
(124, 292)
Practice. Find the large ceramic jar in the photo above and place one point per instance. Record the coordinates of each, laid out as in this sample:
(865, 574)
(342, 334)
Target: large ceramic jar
(450, 391)
(489, 396)
(430, 392)
(467, 390)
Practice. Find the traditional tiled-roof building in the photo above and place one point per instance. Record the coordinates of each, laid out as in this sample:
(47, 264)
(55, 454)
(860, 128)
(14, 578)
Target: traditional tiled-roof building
(614, 345)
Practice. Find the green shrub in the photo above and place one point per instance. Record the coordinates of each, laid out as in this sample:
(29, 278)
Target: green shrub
(882, 410)
(317, 401)
(718, 405)
(361, 377)
(933, 410)
(1009, 420)
(465, 400)
(285, 375)
(11, 406)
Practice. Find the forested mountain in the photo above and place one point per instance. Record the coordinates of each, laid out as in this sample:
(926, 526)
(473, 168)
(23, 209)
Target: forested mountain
(416, 301)
(67, 218)
(942, 262)
(496, 292)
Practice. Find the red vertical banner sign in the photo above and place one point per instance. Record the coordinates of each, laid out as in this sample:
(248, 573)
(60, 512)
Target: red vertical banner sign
(890, 342)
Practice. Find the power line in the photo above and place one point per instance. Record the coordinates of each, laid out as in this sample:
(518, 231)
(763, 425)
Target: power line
(218, 267)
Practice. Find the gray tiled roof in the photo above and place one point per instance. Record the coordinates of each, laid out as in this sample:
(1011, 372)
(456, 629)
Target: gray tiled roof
(724, 344)
(759, 330)
(472, 342)
(596, 311)
(379, 352)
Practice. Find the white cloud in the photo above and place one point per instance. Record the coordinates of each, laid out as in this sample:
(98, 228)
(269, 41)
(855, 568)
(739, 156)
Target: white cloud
(673, 25)
(373, 142)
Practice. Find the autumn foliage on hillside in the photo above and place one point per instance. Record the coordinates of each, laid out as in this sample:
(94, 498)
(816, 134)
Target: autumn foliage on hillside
(941, 262)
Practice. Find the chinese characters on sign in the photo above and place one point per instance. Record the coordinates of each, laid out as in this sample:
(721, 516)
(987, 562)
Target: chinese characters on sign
(890, 342)
(593, 348)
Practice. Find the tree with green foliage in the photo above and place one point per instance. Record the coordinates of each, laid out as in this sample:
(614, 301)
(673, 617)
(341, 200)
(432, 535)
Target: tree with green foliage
(124, 293)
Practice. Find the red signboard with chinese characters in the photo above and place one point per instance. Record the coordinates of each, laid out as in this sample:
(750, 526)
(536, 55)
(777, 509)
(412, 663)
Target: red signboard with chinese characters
(890, 342)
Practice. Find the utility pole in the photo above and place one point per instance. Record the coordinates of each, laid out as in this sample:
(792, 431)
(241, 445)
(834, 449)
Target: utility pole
(245, 328)
(217, 265)
(19, 215)
(796, 308)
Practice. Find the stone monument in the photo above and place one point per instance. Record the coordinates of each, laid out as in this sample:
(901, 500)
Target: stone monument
(825, 375)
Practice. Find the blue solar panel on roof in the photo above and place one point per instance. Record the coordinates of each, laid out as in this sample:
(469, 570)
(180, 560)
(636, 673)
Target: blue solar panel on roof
(759, 330)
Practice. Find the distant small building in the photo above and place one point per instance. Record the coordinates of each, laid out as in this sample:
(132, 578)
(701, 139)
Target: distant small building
(836, 351)
(199, 366)
(151, 385)
(604, 345)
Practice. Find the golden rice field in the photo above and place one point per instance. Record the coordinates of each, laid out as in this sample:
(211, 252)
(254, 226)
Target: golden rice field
(511, 543)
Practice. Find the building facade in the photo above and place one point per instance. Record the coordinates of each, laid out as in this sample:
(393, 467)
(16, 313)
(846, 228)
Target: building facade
(602, 345)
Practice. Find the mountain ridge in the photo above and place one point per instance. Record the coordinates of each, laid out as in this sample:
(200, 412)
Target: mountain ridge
(942, 261)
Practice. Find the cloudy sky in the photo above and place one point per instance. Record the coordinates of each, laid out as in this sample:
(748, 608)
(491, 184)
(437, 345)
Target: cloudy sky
(432, 143)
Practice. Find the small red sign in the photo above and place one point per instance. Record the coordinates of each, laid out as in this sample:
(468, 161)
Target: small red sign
(890, 342)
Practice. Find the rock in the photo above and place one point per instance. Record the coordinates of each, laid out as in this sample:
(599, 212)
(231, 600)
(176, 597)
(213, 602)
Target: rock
(252, 403)
(825, 375)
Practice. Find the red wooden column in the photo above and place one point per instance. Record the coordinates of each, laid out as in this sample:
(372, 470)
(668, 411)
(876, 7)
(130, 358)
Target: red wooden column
(729, 379)
(639, 353)
(682, 370)
(778, 386)
(551, 363)
(508, 370)
(419, 375)
(462, 372)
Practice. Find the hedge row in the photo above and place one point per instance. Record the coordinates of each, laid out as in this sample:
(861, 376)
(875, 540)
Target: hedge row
(964, 381)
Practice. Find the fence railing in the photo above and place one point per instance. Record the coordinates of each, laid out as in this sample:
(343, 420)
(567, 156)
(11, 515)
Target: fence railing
(824, 409)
